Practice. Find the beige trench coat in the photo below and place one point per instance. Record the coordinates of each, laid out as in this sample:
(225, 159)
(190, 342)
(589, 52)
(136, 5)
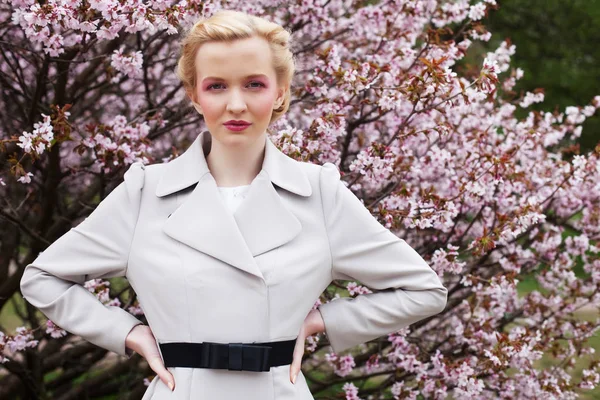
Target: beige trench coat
(203, 274)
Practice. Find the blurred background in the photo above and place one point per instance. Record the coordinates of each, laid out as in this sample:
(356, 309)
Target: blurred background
(557, 47)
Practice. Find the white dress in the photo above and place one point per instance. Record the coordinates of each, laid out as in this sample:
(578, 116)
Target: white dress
(233, 195)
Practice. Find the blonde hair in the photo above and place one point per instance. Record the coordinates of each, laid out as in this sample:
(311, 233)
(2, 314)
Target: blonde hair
(229, 25)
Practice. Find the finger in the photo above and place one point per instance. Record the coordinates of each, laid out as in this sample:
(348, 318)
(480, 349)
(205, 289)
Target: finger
(293, 369)
(297, 359)
(163, 374)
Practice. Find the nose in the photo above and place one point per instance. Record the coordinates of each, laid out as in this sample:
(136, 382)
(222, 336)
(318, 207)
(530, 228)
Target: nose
(236, 103)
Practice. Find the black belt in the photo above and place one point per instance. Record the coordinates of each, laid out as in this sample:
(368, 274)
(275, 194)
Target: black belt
(256, 357)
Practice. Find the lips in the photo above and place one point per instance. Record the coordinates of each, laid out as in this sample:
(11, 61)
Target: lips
(237, 123)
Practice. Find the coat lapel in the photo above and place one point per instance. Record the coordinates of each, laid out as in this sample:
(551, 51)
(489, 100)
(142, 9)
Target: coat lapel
(261, 223)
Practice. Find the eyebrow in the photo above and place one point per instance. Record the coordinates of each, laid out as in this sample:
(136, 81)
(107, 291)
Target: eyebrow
(216, 78)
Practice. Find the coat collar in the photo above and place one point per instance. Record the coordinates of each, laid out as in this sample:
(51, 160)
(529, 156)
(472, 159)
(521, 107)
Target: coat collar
(262, 222)
(191, 166)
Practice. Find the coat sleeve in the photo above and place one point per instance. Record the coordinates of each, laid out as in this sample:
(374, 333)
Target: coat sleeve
(96, 248)
(362, 249)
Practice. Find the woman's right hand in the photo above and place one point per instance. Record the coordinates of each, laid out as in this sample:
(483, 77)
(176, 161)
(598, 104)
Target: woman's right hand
(141, 340)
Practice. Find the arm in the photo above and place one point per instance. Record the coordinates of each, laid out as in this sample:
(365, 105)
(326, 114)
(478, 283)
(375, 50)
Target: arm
(96, 248)
(362, 249)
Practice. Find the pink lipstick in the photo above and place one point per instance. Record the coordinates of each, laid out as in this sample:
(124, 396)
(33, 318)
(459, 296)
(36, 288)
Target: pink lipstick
(237, 125)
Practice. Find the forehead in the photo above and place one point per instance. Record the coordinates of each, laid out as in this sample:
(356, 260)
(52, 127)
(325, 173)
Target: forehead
(235, 59)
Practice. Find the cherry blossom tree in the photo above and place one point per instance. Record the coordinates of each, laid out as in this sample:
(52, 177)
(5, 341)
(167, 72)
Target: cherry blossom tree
(438, 156)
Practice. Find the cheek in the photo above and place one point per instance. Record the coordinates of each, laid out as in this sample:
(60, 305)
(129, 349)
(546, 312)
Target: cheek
(263, 105)
(209, 106)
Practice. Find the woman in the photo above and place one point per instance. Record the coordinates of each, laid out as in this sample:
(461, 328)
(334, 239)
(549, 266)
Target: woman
(229, 245)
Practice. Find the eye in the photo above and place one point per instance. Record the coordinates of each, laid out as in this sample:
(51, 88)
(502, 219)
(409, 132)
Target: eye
(209, 87)
(212, 86)
(260, 83)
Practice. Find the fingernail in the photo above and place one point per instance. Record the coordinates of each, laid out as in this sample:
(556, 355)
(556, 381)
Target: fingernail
(171, 386)
(294, 379)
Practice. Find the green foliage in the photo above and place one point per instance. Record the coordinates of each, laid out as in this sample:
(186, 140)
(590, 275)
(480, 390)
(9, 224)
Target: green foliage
(557, 48)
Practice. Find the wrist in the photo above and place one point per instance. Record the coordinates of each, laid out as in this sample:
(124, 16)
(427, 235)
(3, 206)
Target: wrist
(315, 322)
(130, 338)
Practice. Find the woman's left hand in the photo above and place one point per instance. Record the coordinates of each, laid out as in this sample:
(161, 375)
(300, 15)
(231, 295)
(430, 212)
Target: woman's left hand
(313, 323)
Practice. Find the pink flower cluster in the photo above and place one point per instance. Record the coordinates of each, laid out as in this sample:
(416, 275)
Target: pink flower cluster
(118, 143)
(343, 365)
(128, 64)
(18, 342)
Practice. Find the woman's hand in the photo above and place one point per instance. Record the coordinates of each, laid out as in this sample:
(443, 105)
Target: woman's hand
(313, 323)
(141, 340)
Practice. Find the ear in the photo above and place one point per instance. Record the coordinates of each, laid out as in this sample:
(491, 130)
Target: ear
(197, 107)
(280, 97)
(192, 98)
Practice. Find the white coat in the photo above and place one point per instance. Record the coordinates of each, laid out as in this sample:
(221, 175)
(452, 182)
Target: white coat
(204, 274)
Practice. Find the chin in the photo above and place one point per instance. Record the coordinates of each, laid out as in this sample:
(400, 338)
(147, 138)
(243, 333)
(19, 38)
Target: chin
(248, 134)
(231, 138)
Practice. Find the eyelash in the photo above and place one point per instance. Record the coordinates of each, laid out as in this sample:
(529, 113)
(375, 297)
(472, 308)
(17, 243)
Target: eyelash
(211, 85)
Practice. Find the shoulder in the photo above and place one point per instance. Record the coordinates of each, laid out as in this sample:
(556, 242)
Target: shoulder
(134, 177)
(142, 176)
(330, 174)
(327, 171)
(325, 179)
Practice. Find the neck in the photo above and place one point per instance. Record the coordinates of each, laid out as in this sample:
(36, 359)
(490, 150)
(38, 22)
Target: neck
(235, 165)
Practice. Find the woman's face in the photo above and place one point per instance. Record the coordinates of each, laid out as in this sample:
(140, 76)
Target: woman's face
(236, 81)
